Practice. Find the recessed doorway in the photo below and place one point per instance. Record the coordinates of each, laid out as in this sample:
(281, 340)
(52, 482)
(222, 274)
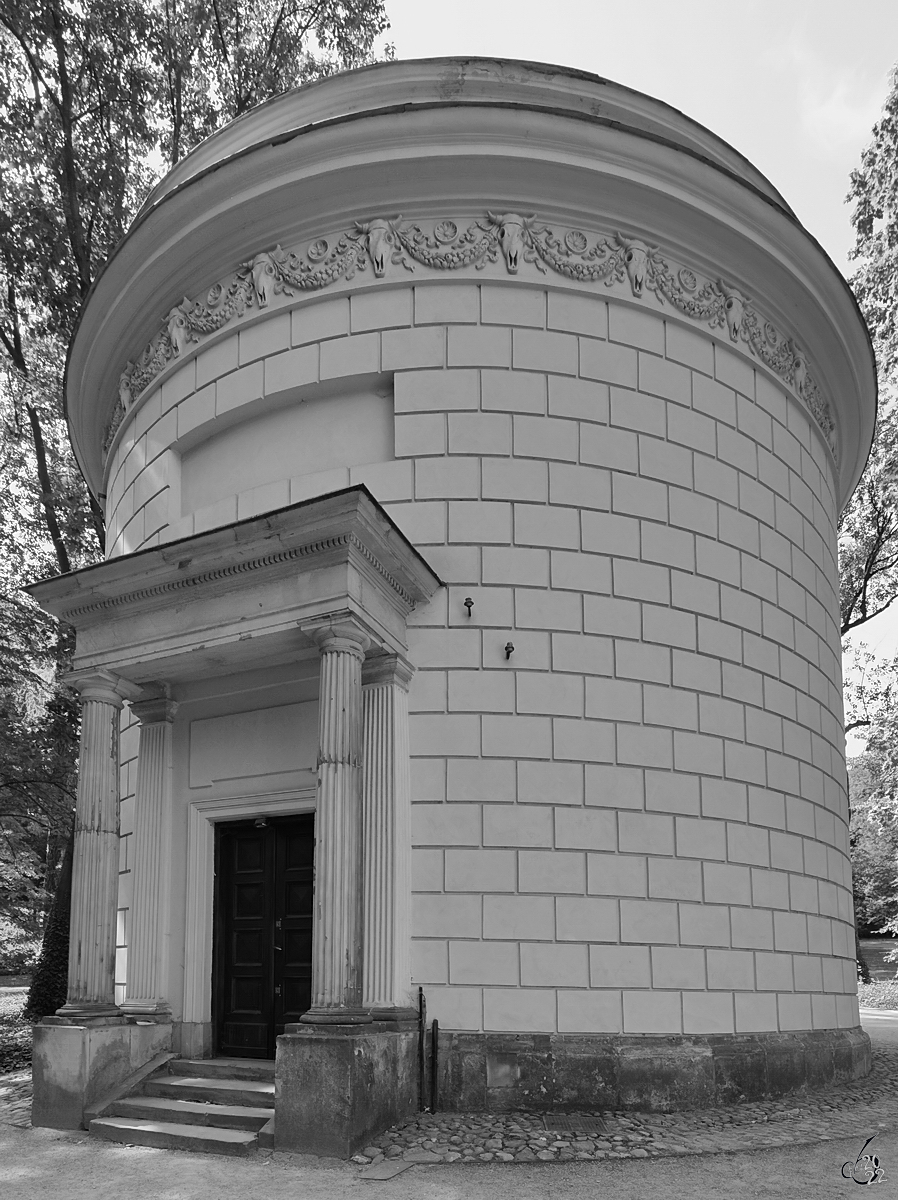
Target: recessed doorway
(262, 962)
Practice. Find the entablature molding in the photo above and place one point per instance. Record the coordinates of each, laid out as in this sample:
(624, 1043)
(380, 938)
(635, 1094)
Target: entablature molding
(249, 591)
(630, 265)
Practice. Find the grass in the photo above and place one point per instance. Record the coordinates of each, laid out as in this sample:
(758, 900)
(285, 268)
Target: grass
(883, 993)
(15, 1032)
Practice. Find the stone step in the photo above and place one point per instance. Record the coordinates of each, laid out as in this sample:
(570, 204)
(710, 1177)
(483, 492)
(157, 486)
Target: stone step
(224, 1068)
(189, 1112)
(252, 1092)
(166, 1135)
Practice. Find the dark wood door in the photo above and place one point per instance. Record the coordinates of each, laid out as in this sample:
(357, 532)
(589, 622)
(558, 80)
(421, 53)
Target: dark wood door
(262, 973)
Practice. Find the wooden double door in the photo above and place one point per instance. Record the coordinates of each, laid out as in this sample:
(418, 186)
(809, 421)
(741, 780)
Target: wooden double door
(262, 962)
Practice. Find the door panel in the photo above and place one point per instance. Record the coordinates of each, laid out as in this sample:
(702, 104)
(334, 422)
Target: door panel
(262, 976)
(295, 852)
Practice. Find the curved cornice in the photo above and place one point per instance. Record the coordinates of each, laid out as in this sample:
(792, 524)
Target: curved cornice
(452, 82)
(710, 211)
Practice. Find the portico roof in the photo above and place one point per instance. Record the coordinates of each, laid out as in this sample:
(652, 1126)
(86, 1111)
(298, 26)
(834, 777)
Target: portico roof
(245, 594)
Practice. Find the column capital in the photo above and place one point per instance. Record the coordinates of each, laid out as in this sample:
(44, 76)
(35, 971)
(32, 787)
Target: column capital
(387, 668)
(155, 705)
(338, 633)
(103, 686)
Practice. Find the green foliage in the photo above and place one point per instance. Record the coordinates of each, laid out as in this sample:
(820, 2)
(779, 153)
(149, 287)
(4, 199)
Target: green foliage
(874, 192)
(97, 97)
(18, 950)
(868, 528)
(222, 59)
(880, 994)
(873, 835)
(868, 534)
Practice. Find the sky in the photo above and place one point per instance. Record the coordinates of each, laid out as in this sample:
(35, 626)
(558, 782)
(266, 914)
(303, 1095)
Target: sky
(794, 85)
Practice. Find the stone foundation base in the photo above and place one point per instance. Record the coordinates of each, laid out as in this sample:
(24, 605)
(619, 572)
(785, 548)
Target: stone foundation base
(74, 1065)
(499, 1072)
(338, 1086)
(193, 1039)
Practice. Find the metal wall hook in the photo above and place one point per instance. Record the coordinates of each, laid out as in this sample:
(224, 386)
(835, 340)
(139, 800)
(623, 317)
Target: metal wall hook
(469, 604)
(509, 650)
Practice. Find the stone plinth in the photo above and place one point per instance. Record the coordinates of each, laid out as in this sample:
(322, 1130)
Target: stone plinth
(502, 1072)
(339, 1086)
(74, 1065)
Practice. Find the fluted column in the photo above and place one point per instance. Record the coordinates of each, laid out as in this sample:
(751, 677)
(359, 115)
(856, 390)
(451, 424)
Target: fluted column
(336, 929)
(147, 989)
(386, 838)
(91, 989)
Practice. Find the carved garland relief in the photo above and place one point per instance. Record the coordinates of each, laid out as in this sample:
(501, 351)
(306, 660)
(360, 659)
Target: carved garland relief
(384, 243)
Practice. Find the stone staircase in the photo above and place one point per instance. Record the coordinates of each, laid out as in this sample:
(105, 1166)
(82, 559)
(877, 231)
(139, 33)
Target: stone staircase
(214, 1105)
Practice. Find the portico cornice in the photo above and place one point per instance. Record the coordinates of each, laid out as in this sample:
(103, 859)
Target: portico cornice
(159, 613)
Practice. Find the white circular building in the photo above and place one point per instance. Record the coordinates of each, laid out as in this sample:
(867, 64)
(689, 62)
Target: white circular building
(472, 436)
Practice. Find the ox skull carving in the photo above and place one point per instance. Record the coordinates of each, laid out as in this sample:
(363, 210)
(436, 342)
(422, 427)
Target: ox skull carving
(734, 305)
(379, 242)
(510, 229)
(263, 273)
(636, 261)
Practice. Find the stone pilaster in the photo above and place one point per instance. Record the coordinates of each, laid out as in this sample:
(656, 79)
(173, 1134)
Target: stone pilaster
(336, 935)
(91, 989)
(147, 989)
(386, 838)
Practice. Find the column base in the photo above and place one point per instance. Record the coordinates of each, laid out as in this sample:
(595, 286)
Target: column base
(74, 1065)
(395, 1017)
(86, 1014)
(147, 1010)
(334, 1016)
(339, 1087)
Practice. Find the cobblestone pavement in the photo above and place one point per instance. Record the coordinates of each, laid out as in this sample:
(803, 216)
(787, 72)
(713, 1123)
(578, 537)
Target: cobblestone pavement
(861, 1107)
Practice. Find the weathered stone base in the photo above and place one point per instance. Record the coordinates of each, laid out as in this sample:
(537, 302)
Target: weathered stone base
(338, 1086)
(499, 1072)
(193, 1039)
(74, 1065)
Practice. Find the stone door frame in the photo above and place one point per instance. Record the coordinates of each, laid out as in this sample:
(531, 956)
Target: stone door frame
(202, 817)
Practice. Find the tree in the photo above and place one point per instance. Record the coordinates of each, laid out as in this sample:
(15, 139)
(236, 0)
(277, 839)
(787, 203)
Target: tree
(868, 528)
(96, 97)
(874, 842)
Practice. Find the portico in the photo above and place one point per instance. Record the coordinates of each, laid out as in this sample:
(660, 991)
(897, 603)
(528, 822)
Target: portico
(331, 579)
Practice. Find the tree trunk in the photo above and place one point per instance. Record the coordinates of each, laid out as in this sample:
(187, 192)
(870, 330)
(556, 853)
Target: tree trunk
(43, 475)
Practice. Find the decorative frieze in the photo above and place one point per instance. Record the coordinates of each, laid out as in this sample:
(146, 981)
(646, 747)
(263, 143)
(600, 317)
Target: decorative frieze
(519, 241)
(311, 550)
